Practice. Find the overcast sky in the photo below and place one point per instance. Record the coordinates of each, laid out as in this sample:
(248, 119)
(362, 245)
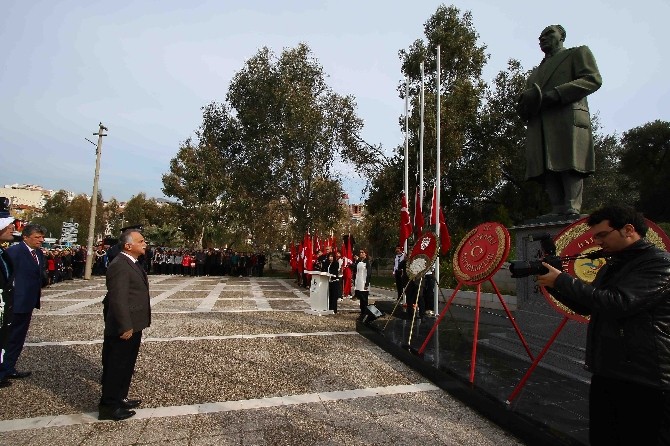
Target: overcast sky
(145, 68)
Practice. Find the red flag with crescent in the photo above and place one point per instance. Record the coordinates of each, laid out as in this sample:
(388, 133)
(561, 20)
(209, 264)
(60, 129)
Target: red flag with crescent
(405, 222)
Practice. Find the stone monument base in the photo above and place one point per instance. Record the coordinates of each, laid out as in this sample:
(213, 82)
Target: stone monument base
(536, 318)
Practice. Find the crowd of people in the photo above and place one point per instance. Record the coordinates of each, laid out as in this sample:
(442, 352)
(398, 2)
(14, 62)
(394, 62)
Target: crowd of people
(64, 264)
(161, 260)
(349, 278)
(204, 262)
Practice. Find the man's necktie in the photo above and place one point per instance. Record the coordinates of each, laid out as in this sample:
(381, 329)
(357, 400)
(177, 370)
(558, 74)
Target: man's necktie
(34, 256)
(5, 267)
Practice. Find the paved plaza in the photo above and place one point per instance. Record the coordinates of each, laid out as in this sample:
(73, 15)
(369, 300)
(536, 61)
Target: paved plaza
(228, 361)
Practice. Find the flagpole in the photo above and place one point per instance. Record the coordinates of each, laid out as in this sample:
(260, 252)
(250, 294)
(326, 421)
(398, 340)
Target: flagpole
(421, 139)
(437, 180)
(406, 189)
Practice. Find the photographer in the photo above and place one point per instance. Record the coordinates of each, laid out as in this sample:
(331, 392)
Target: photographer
(628, 335)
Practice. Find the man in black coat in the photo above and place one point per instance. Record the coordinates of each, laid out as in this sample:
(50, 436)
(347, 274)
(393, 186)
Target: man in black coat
(127, 312)
(400, 281)
(628, 336)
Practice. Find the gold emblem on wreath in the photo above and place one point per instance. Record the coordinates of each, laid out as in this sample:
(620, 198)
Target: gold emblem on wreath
(493, 260)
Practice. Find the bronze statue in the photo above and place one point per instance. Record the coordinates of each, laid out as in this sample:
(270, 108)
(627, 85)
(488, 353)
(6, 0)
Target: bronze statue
(559, 142)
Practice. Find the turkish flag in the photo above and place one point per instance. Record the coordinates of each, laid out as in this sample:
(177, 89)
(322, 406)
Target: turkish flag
(347, 255)
(308, 263)
(445, 238)
(316, 244)
(294, 261)
(405, 223)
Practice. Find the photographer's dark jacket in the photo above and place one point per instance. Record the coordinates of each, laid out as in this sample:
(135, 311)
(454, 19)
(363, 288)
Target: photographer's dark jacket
(628, 336)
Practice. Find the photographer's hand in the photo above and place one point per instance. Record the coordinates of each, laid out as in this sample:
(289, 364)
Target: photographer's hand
(548, 280)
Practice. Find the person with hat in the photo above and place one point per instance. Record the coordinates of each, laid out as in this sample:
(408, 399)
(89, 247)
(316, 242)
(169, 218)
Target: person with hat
(6, 280)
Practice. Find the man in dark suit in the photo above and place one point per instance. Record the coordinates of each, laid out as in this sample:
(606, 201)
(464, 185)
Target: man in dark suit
(127, 312)
(6, 280)
(559, 140)
(29, 263)
(400, 282)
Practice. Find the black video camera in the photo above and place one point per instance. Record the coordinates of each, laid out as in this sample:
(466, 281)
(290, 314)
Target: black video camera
(525, 268)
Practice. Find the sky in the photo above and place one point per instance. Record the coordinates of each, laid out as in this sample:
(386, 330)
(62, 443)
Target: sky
(146, 68)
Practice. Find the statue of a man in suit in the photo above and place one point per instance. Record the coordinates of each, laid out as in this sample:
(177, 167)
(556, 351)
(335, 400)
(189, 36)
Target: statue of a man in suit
(559, 141)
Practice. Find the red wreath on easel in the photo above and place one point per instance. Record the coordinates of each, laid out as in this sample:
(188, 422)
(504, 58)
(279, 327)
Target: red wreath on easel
(478, 257)
(421, 259)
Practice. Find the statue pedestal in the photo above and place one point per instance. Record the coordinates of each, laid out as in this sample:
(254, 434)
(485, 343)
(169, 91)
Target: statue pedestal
(537, 319)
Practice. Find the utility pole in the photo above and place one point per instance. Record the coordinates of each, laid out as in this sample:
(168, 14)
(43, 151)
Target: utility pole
(94, 204)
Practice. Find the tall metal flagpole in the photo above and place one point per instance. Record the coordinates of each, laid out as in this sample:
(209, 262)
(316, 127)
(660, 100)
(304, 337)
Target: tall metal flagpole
(406, 184)
(421, 140)
(94, 203)
(437, 180)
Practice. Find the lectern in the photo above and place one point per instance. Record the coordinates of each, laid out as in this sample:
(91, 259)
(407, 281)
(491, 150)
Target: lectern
(318, 293)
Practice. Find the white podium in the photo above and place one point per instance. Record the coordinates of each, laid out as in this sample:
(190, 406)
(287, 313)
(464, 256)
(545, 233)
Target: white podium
(318, 293)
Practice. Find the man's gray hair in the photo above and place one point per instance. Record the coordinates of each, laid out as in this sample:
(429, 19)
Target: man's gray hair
(127, 236)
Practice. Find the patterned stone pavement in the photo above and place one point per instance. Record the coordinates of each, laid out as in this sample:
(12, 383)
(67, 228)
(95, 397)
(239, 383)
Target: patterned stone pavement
(228, 361)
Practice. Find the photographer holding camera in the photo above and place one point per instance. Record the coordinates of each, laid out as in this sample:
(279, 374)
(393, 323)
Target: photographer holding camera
(628, 335)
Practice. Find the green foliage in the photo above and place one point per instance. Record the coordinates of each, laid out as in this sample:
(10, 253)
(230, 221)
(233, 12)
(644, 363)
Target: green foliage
(607, 185)
(58, 209)
(113, 216)
(266, 155)
(166, 234)
(291, 125)
(645, 159)
(481, 137)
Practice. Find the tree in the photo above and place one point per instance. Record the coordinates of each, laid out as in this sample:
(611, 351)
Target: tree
(380, 224)
(57, 204)
(461, 91)
(607, 185)
(292, 126)
(59, 209)
(54, 213)
(200, 175)
(140, 210)
(113, 216)
(79, 211)
(488, 182)
(645, 160)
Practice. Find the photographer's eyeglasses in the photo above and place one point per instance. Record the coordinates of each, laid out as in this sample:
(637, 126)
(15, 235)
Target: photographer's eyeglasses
(602, 235)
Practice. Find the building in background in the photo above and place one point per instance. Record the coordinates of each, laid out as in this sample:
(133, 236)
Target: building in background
(356, 211)
(28, 195)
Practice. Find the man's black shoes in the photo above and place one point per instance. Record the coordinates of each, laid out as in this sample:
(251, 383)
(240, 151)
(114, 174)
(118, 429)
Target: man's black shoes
(118, 414)
(4, 382)
(19, 375)
(130, 404)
